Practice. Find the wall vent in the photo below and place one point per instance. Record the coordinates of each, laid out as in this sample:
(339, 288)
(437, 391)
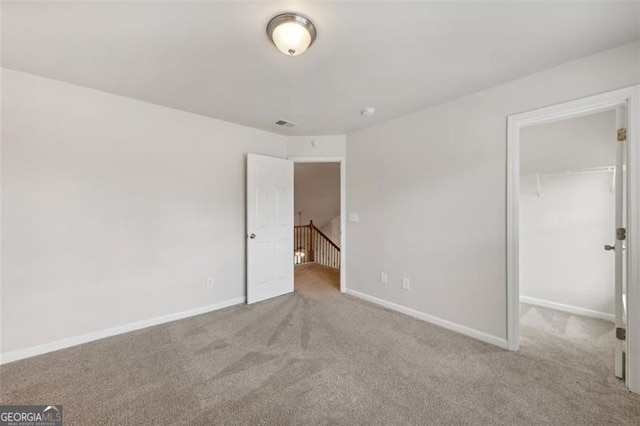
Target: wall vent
(285, 123)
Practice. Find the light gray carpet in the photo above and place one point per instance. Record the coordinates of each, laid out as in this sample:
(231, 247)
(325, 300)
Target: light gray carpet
(320, 357)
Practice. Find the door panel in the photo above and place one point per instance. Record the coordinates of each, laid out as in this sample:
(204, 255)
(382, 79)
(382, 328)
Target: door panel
(269, 227)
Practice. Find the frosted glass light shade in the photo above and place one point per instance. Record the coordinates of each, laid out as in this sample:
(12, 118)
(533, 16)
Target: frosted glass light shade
(292, 34)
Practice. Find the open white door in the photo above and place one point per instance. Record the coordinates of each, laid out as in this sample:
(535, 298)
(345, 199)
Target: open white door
(619, 247)
(269, 227)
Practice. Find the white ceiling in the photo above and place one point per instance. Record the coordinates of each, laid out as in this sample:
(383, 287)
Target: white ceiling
(214, 58)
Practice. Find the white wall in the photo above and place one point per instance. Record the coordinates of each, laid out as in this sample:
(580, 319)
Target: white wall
(577, 143)
(333, 230)
(316, 192)
(114, 210)
(562, 234)
(562, 231)
(430, 190)
(327, 146)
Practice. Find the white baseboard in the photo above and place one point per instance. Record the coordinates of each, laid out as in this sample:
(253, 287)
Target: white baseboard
(567, 308)
(90, 337)
(471, 332)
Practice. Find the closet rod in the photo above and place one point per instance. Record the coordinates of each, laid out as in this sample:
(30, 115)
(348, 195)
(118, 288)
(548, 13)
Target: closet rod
(606, 169)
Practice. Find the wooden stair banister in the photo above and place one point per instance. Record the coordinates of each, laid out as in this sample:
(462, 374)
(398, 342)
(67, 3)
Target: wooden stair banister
(312, 245)
(327, 238)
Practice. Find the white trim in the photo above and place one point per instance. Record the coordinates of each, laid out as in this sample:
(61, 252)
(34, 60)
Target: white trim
(575, 310)
(513, 226)
(633, 242)
(343, 208)
(343, 225)
(576, 108)
(572, 109)
(90, 337)
(467, 331)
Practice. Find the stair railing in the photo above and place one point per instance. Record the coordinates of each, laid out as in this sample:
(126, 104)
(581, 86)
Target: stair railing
(311, 245)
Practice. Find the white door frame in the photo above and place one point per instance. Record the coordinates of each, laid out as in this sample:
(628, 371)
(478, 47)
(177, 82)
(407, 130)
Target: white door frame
(571, 109)
(343, 208)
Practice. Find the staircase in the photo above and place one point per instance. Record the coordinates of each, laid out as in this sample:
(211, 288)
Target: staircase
(312, 245)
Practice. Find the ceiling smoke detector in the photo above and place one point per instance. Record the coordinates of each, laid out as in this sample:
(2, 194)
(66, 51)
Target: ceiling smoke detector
(291, 33)
(368, 111)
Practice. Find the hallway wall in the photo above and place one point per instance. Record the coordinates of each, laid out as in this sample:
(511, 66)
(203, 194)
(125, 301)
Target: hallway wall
(316, 192)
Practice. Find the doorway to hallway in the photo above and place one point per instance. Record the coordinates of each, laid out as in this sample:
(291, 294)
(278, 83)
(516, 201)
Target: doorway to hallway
(319, 215)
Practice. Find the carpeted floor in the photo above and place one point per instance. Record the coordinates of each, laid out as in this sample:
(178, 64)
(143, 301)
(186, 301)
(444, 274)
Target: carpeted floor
(320, 357)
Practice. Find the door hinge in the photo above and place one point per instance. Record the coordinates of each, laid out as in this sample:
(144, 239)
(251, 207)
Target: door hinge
(621, 333)
(621, 234)
(622, 134)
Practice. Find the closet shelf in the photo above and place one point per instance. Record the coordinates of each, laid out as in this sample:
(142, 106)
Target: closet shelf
(590, 170)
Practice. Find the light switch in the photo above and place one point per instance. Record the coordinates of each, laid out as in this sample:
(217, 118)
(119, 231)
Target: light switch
(354, 217)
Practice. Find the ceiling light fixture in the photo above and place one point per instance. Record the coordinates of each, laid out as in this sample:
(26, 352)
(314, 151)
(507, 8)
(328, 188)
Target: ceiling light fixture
(292, 34)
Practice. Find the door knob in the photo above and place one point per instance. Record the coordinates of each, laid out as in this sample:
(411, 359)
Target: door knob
(252, 236)
(607, 247)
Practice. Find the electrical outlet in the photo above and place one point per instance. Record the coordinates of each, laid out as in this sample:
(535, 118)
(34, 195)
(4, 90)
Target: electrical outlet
(406, 284)
(384, 278)
(211, 282)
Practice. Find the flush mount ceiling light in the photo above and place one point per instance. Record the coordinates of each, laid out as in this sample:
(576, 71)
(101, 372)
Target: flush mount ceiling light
(291, 33)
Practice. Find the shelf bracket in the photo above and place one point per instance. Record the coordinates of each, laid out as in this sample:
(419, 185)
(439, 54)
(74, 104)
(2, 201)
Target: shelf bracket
(613, 180)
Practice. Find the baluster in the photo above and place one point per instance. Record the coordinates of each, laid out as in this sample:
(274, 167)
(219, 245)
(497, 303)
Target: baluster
(326, 250)
(309, 248)
(332, 252)
(312, 228)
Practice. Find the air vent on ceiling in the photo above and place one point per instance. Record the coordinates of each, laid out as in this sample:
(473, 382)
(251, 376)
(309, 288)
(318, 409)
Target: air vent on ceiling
(285, 123)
